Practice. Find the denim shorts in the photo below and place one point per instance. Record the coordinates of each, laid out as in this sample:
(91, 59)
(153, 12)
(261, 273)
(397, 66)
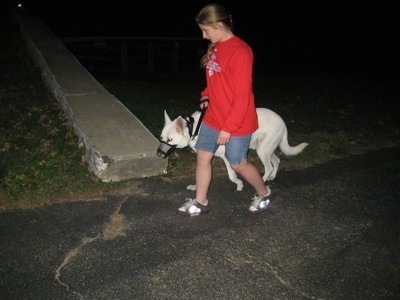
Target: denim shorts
(236, 150)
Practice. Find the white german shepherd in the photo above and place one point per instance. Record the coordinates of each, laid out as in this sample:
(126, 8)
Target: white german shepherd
(272, 132)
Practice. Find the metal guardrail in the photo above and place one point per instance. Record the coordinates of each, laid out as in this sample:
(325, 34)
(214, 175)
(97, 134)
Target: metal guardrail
(137, 56)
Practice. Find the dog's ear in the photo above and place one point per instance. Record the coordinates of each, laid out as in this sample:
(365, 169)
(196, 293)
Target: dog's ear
(180, 124)
(166, 118)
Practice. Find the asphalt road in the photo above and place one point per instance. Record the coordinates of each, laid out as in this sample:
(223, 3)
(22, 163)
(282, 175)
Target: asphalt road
(332, 231)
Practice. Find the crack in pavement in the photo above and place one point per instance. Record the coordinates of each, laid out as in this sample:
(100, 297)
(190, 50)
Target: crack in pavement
(117, 226)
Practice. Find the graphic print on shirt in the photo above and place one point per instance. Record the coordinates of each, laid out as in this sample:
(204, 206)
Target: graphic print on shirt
(212, 65)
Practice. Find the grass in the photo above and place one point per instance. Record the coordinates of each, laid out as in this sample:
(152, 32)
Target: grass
(40, 162)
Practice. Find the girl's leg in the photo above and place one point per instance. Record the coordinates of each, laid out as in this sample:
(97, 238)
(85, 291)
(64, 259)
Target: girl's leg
(203, 175)
(261, 199)
(236, 151)
(252, 176)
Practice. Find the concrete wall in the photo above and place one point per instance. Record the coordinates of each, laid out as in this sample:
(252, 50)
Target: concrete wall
(118, 146)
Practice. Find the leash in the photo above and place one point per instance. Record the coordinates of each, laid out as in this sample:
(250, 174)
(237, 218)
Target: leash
(190, 121)
(200, 119)
(199, 123)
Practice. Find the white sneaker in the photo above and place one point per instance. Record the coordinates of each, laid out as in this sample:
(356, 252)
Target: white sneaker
(260, 202)
(192, 208)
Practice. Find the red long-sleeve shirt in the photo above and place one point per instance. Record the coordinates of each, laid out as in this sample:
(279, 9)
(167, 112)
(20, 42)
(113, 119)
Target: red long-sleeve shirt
(229, 88)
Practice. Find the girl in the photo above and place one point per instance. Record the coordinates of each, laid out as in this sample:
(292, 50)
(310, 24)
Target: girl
(231, 115)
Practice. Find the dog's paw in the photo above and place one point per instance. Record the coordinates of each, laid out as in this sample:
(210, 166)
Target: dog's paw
(191, 187)
(239, 185)
(269, 178)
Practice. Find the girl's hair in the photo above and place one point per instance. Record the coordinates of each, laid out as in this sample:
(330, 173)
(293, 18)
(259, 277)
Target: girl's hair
(210, 15)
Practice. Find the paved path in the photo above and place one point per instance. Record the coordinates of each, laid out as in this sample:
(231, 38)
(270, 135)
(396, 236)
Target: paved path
(332, 231)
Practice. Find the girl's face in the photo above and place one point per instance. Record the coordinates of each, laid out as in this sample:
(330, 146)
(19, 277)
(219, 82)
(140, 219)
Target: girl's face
(214, 35)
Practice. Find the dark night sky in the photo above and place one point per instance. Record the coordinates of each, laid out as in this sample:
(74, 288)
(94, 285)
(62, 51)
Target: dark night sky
(169, 17)
(362, 30)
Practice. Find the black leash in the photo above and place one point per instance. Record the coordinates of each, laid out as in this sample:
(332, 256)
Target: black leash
(199, 123)
(190, 121)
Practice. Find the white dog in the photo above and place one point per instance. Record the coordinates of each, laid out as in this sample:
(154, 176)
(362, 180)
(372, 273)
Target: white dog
(272, 132)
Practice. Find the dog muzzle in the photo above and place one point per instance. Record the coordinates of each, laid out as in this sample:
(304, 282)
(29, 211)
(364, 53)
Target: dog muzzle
(165, 149)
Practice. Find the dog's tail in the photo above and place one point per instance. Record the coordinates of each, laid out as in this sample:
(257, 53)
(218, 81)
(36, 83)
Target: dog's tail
(289, 150)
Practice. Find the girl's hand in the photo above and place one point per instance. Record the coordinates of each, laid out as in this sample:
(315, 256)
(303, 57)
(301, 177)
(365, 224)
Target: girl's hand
(203, 103)
(223, 138)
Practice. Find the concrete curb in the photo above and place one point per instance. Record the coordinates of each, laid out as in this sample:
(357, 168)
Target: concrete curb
(118, 146)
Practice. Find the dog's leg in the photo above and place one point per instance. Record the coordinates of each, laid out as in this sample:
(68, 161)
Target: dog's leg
(265, 147)
(275, 166)
(268, 168)
(232, 175)
(269, 160)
